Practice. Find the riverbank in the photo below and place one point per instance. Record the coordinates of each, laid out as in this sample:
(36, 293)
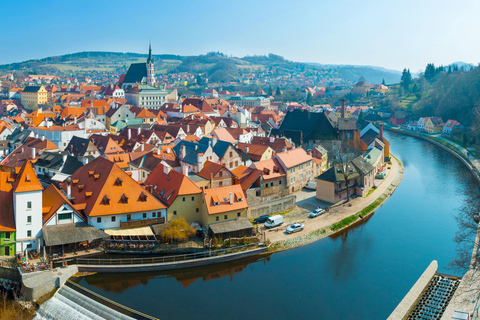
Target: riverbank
(340, 216)
(459, 152)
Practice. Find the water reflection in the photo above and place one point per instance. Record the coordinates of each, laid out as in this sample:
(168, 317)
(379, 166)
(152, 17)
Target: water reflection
(119, 282)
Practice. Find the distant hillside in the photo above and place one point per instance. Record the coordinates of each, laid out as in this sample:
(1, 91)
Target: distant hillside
(216, 66)
(371, 74)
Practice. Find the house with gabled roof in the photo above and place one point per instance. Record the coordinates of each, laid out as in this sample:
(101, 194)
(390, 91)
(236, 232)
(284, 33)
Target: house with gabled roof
(224, 204)
(107, 195)
(182, 196)
(218, 175)
(256, 152)
(226, 152)
(452, 127)
(194, 155)
(298, 165)
(434, 125)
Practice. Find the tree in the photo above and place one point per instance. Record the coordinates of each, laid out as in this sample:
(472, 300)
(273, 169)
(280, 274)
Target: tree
(383, 81)
(177, 230)
(270, 91)
(406, 79)
(342, 164)
(430, 72)
(361, 79)
(278, 92)
(309, 99)
(200, 80)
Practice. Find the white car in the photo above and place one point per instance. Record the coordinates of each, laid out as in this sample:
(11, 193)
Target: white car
(316, 213)
(312, 185)
(296, 227)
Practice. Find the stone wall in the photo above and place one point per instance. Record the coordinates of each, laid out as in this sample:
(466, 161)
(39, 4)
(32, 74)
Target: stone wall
(40, 283)
(271, 207)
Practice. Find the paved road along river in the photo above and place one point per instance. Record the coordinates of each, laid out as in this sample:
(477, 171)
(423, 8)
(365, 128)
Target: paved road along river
(362, 273)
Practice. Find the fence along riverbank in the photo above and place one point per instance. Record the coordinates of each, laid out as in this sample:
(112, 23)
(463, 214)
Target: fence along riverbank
(169, 262)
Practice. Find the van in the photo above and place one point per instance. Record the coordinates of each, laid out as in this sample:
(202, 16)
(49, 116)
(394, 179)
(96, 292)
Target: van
(274, 221)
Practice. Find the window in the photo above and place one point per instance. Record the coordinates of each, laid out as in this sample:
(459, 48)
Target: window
(280, 182)
(193, 198)
(99, 220)
(29, 205)
(266, 185)
(216, 218)
(225, 217)
(175, 213)
(271, 184)
(7, 235)
(129, 217)
(113, 219)
(238, 214)
(183, 199)
(231, 154)
(29, 219)
(29, 233)
(65, 216)
(220, 174)
(197, 210)
(144, 215)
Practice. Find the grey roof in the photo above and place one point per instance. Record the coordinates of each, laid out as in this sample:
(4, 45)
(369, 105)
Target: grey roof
(195, 177)
(136, 72)
(372, 117)
(50, 160)
(362, 166)
(230, 226)
(372, 155)
(220, 147)
(4, 144)
(157, 228)
(19, 136)
(71, 233)
(78, 146)
(347, 124)
(71, 165)
(369, 136)
(31, 89)
(191, 151)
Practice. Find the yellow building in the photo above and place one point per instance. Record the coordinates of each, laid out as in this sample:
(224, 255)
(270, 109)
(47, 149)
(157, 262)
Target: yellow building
(434, 125)
(177, 191)
(34, 96)
(224, 204)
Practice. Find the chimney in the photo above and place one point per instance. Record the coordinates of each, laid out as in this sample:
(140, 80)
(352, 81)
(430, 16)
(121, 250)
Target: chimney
(272, 139)
(33, 153)
(69, 188)
(183, 151)
(158, 152)
(85, 161)
(214, 142)
(381, 130)
(139, 130)
(185, 171)
(246, 149)
(142, 147)
(166, 170)
(43, 137)
(231, 198)
(343, 108)
(64, 159)
(129, 134)
(168, 150)
(75, 120)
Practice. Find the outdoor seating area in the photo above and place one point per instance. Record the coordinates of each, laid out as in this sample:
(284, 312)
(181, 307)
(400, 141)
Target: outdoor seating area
(34, 263)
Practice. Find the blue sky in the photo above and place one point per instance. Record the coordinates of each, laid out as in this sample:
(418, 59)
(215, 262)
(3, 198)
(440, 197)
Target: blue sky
(391, 34)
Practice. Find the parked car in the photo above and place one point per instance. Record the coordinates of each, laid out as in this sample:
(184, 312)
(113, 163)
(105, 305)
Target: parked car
(261, 219)
(312, 185)
(296, 227)
(317, 212)
(274, 221)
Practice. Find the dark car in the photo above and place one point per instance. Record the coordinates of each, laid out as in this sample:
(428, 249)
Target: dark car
(261, 219)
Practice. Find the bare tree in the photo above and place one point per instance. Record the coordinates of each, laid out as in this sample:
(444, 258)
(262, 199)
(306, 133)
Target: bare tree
(342, 164)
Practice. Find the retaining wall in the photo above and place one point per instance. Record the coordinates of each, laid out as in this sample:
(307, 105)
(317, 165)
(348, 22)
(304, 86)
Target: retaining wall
(40, 283)
(272, 206)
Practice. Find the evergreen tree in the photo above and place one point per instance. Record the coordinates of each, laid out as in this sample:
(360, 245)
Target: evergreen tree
(406, 79)
(430, 72)
(383, 81)
(270, 91)
(309, 99)
(278, 92)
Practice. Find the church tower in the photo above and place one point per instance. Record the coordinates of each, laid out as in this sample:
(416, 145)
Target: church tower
(150, 68)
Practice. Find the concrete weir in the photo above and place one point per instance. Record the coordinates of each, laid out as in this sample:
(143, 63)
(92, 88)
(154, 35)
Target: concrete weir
(38, 284)
(407, 304)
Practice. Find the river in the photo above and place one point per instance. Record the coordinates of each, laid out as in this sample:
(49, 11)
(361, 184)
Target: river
(363, 273)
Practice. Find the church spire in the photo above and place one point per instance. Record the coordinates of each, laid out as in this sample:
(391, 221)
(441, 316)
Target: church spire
(150, 59)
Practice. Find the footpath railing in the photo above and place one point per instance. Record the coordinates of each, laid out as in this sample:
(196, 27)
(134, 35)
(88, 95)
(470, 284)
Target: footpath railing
(166, 259)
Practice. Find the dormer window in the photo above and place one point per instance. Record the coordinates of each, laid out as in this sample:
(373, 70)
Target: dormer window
(124, 199)
(143, 197)
(118, 182)
(106, 201)
(216, 201)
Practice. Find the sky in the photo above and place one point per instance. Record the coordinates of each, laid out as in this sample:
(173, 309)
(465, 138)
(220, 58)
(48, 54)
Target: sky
(390, 34)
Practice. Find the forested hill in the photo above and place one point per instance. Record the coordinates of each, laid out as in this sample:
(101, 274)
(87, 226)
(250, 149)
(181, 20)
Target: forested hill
(217, 66)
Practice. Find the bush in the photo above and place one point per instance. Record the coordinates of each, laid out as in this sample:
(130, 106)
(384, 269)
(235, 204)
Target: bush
(215, 243)
(177, 230)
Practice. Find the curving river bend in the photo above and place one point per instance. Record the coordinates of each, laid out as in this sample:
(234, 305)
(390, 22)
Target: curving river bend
(362, 273)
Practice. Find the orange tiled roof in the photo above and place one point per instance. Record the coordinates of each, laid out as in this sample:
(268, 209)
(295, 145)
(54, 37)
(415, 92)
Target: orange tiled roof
(107, 190)
(26, 179)
(168, 186)
(7, 222)
(53, 199)
(294, 157)
(246, 175)
(217, 200)
(210, 168)
(271, 169)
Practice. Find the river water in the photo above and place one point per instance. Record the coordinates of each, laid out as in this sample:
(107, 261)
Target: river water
(362, 273)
